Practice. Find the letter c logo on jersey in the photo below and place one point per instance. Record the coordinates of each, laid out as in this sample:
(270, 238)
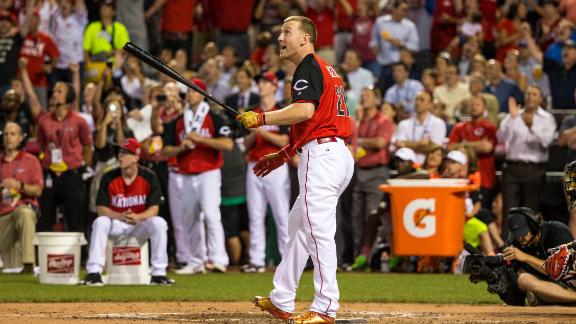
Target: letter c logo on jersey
(418, 220)
(300, 85)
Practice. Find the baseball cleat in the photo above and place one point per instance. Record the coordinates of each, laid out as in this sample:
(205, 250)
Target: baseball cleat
(93, 279)
(161, 280)
(311, 318)
(265, 304)
(250, 268)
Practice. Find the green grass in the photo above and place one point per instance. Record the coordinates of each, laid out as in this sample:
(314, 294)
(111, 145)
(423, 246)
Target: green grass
(354, 287)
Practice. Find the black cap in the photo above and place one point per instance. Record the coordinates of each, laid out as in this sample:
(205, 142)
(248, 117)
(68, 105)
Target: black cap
(517, 221)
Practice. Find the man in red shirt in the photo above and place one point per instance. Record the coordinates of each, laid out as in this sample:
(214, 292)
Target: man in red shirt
(274, 189)
(480, 134)
(322, 14)
(234, 19)
(128, 200)
(21, 184)
(66, 143)
(374, 135)
(37, 47)
(196, 140)
(320, 124)
(177, 23)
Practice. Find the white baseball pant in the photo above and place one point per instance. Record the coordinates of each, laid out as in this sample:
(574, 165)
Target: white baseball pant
(273, 189)
(154, 228)
(324, 172)
(190, 197)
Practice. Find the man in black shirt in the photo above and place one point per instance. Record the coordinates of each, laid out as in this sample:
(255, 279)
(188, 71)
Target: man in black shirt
(532, 238)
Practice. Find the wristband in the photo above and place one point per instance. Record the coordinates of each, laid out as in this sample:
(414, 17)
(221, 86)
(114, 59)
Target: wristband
(261, 119)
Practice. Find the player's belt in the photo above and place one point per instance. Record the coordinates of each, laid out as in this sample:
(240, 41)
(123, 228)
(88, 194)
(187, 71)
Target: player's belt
(321, 140)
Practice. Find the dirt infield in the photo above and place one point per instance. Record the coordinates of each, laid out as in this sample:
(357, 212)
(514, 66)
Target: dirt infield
(244, 312)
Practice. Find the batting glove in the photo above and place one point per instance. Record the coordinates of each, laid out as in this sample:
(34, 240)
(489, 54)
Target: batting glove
(270, 162)
(251, 119)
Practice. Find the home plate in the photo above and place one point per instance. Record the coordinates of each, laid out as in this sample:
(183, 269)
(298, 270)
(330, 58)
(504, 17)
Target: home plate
(351, 320)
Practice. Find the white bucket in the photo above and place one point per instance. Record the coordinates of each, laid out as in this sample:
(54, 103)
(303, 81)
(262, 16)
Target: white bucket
(59, 257)
(127, 261)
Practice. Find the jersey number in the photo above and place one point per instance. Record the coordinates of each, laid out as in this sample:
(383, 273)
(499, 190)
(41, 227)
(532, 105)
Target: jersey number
(341, 105)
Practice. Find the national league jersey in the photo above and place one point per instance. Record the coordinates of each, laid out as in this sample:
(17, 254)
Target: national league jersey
(317, 82)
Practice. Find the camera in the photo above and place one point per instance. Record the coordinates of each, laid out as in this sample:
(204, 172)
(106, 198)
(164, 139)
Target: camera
(109, 64)
(112, 107)
(499, 274)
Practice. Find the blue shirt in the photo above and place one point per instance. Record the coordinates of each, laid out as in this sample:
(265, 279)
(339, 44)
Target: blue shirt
(404, 30)
(504, 90)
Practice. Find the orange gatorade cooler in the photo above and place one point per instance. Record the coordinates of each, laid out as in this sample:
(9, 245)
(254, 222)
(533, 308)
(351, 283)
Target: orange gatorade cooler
(427, 216)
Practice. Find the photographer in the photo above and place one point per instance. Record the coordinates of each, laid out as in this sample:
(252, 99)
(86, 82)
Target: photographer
(531, 240)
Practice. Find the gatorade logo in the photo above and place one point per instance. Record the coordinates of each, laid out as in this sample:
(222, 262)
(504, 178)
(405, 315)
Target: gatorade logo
(418, 218)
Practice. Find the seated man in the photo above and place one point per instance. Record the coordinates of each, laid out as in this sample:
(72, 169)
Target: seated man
(128, 202)
(21, 184)
(532, 238)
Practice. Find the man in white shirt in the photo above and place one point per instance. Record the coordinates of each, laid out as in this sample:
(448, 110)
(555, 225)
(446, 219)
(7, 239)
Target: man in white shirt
(421, 131)
(405, 90)
(452, 92)
(67, 28)
(526, 134)
(358, 77)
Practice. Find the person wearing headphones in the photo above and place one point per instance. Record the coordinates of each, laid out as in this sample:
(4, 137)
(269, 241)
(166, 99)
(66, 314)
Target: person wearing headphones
(66, 143)
(532, 238)
(21, 184)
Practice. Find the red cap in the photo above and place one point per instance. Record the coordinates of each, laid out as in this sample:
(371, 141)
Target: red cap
(199, 83)
(270, 77)
(6, 15)
(131, 145)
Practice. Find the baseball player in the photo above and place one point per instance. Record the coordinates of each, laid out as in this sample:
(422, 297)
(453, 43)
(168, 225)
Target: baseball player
(273, 189)
(319, 123)
(127, 202)
(196, 139)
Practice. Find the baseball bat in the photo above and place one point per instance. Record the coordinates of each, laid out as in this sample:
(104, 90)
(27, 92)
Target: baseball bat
(160, 66)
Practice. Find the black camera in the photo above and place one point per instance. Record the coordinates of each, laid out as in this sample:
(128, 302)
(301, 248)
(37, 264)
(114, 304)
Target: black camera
(498, 274)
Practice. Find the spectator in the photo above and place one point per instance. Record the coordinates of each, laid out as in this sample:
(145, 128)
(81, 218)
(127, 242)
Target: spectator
(433, 162)
(67, 28)
(21, 185)
(271, 14)
(128, 201)
(132, 82)
(132, 15)
(358, 77)
(405, 90)
(512, 70)
(11, 111)
(564, 31)
(66, 143)
(451, 92)
(567, 137)
(234, 18)
(212, 72)
(374, 134)
(322, 14)
(508, 30)
(45, 9)
(390, 34)
(547, 24)
(470, 50)
(274, 189)
(533, 69)
(11, 41)
(567, 7)
(362, 23)
(343, 14)
(480, 135)
(562, 75)
(500, 87)
(526, 134)
(444, 23)
(245, 98)
(178, 23)
(196, 138)
(229, 62)
(477, 85)
(421, 131)
(104, 39)
(37, 48)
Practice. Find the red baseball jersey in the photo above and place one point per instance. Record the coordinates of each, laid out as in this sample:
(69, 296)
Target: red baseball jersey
(261, 146)
(317, 82)
(140, 195)
(201, 158)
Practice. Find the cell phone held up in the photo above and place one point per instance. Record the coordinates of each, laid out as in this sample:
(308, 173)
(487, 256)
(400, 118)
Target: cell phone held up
(161, 98)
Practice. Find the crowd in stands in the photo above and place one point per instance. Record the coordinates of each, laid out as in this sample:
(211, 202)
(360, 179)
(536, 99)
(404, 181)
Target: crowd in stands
(436, 89)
